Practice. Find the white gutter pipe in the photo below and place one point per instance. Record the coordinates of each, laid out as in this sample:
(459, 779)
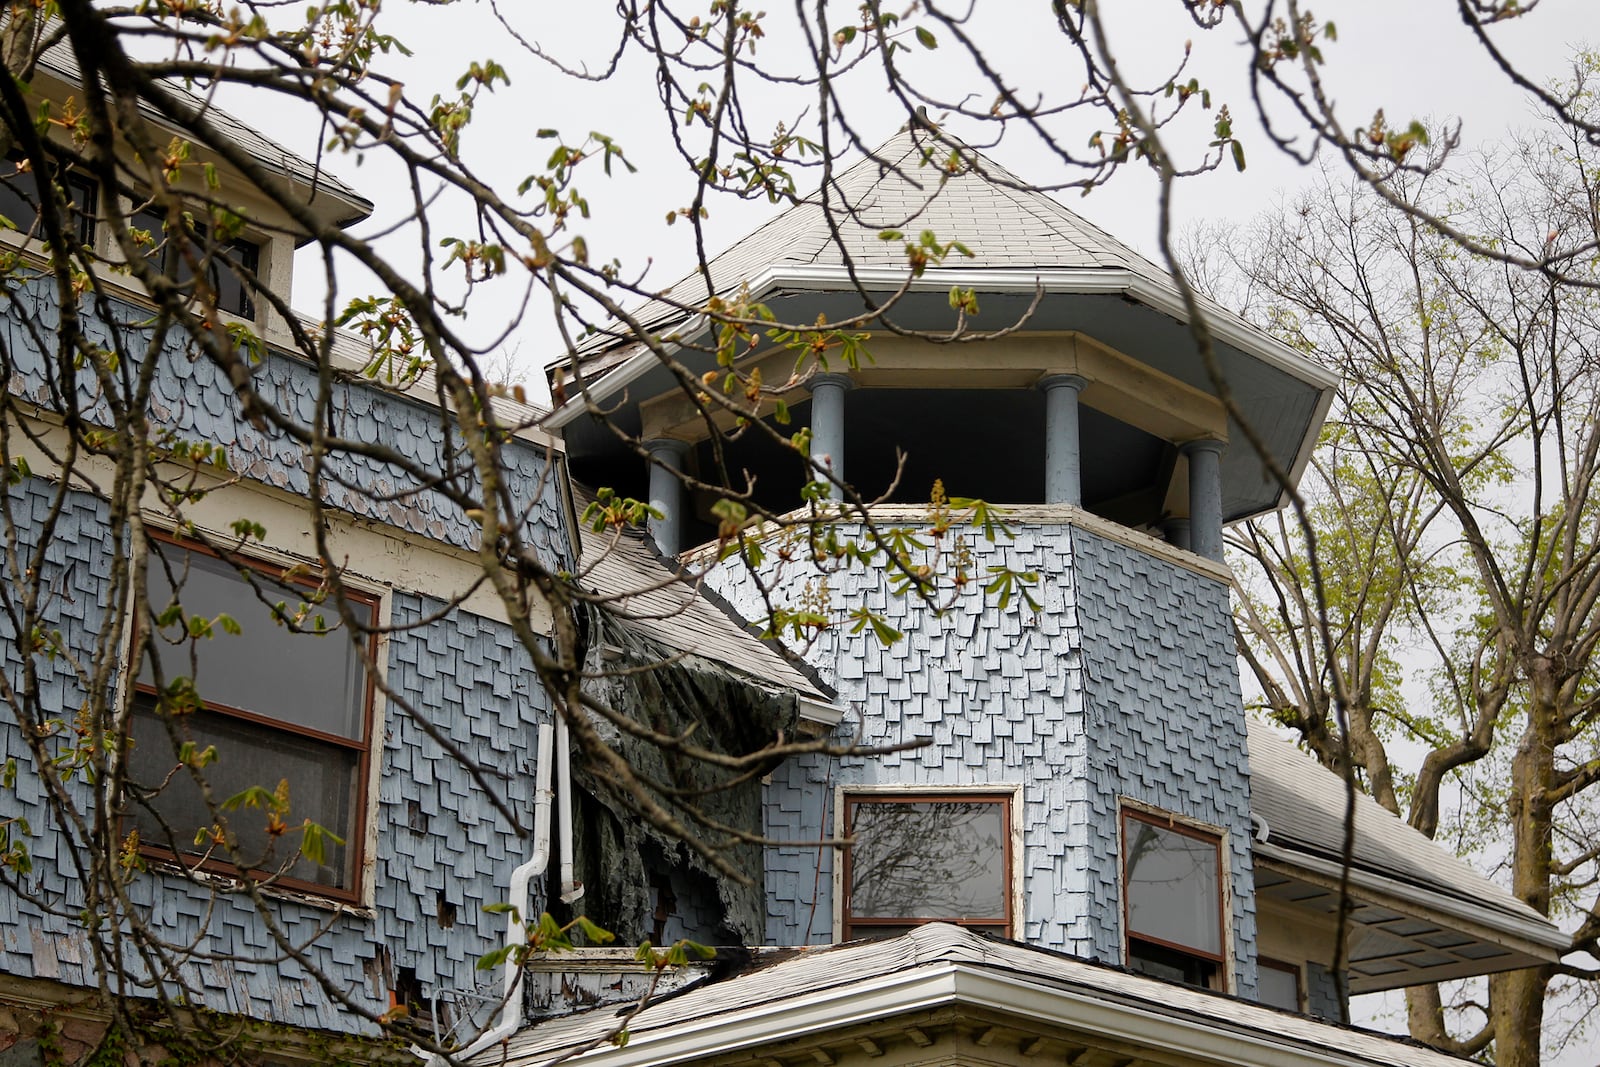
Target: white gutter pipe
(571, 888)
(516, 932)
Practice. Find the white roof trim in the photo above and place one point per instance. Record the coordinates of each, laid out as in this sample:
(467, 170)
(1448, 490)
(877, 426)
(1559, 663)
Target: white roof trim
(1272, 1040)
(631, 370)
(1111, 281)
(1540, 935)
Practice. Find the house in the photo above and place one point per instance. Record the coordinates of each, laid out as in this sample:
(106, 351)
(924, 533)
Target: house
(1095, 857)
(421, 768)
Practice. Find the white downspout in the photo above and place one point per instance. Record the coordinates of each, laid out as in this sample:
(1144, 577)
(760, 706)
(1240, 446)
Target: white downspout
(571, 888)
(516, 933)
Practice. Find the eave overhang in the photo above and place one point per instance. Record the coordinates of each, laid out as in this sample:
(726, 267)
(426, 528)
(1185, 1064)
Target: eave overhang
(784, 281)
(1405, 934)
(1168, 1024)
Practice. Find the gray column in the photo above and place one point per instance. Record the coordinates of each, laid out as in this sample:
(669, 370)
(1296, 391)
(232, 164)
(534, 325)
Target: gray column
(1205, 497)
(827, 424)
(666, 493)
(1177, 531)
(1063, 469)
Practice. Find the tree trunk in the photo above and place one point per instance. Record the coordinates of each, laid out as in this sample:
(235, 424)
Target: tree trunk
(1517, 997)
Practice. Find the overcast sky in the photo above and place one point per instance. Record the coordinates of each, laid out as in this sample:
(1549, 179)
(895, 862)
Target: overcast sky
(1412, 57)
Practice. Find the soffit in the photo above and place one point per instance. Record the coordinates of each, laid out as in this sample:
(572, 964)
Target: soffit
(1422, 915)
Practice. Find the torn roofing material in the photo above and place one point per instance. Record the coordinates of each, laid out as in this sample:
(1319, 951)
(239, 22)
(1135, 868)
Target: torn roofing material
(643, 593)
(938, 979)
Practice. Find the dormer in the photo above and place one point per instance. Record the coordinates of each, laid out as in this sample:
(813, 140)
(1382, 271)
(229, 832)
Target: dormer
(265, 243)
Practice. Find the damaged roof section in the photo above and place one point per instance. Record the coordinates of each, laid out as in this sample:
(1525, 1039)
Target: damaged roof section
(678, 661)
(1421, 913)
(648, 596)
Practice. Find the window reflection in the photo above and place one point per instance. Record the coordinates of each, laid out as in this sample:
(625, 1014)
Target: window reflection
(1173, 897)
(922, 859)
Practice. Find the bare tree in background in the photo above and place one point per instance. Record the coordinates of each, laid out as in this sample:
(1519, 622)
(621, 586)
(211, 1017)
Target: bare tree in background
(1453, 502)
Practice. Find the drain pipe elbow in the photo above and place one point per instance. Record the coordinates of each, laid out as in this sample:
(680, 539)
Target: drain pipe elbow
(510, 1016)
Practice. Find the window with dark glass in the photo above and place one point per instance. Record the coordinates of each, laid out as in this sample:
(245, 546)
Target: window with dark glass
(1278, 984)
(286, 711)
(228, 263)
(1172, 893)
(927, 858)
(19, 198)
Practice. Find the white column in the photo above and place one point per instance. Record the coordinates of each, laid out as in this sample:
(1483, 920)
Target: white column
(1205, 497)
(1063, 465)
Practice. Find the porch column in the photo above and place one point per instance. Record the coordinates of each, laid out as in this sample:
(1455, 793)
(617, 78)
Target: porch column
(827, 424)
(666, 492)
(1205, 497)
(1063, 470)
(1177, 531)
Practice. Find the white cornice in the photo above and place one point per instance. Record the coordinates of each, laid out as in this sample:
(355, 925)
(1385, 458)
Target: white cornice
(1094, 281)
(1252, 1037)
(1538, 938)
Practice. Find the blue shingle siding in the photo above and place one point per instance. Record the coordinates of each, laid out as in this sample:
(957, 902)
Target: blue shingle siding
(1323, 997)
(443, 851)
(1124, 684)
(1166, 721)
(996, 692)
(193, 398)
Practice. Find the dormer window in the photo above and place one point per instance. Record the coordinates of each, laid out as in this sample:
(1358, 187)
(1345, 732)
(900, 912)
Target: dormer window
(229, 264)
(927, 857)
(19, 199)
(1172, 899)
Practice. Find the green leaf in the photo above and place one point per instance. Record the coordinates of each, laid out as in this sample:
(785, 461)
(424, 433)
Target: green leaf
(595, 934)
(1238, 156)
(926, 38)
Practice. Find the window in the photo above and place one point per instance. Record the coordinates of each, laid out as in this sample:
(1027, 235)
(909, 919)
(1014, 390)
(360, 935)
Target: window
(229, 264)
(19, 199)
(926, 858)
(279, 707)
(1172, 882)
(1278, 984)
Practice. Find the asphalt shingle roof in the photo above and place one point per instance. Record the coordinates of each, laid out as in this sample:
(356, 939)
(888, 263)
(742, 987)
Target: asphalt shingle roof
(769, 991)
(1304, 806)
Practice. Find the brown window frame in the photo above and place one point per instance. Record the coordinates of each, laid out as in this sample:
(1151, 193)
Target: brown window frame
(853, 927)
(1271, 964)
(354, 834)
(1172, 823)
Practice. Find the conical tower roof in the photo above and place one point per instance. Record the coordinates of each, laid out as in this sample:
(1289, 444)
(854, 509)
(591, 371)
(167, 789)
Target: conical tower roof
(911, 183)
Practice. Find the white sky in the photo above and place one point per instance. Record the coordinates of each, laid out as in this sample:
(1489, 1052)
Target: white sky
(1412, 57)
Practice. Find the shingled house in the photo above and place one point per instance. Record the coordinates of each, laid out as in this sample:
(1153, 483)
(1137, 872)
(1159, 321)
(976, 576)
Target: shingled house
(392, 910)
(1097, 858)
